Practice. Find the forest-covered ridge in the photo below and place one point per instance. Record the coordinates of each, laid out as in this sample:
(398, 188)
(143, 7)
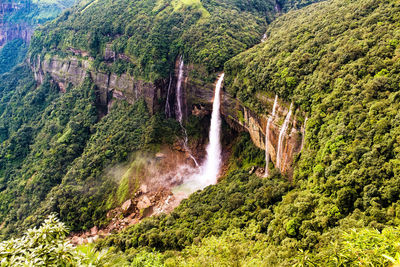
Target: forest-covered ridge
(342, 207)
(148, 36)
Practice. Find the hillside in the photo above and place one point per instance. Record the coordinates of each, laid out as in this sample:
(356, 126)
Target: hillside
(55, 142)
(109, 122)
(18, 19)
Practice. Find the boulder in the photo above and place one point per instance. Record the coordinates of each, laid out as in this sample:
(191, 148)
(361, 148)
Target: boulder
(144, 203)
(94, 230)
(143, 188)
(127, 207)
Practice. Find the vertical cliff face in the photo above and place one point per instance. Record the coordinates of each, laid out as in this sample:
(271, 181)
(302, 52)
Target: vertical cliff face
(242, 118)
(109, 86)
(197, 97)
(10, 29)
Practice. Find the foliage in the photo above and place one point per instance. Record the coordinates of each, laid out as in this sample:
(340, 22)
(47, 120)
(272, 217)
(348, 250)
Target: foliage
(35, 12)
(45, 246)
(11, 54)
(363, 247)
(54, 149)
(245, 154)
(343, 71)
(346, 77)
(237, 201)
(147, 36)
(25, 17)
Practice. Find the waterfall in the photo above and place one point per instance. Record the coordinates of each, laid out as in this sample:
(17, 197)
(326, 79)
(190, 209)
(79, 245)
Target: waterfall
(208, 172)
(179, 91)
(264, 38)
(167, 105)
(270, 119)
(281, 137)
(179, 112)
(211, 167)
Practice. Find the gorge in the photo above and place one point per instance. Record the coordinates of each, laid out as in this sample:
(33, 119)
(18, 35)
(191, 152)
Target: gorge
(165, 133)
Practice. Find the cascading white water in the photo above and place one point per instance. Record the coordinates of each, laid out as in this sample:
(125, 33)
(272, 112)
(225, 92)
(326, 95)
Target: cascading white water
(211, 167)
(167, 105)
(179, 91)
(179, 112)
(270, 119)
(264, 38)
(208, 172)
(282, 134)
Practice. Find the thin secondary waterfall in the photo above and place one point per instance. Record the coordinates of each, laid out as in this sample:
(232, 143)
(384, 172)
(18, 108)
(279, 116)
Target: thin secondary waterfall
(179, 91)
(281, 137)
(212, 165)
(270, 119)
(167, 105)
(179, 112)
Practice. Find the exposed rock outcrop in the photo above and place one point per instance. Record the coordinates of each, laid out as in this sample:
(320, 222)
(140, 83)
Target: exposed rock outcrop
(197, 98)
(240, 117)
(74, 70)
(13, 30)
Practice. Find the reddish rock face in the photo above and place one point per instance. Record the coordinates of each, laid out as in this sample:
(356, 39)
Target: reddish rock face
(242, 118)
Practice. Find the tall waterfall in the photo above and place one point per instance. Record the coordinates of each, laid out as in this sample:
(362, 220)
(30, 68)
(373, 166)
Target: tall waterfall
(270, 119)
(281, 138)
(211, 166)
(179, 112)
(208, 172)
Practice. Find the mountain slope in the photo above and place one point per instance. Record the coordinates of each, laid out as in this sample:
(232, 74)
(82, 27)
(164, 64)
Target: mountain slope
(59, 154)
(54, 142)
(344, 72)
(18, 19)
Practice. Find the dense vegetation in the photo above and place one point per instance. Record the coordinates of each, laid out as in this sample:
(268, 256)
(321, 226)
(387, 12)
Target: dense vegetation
(53, 147)
(28, 15)
(34, 12)
(345, 74)
(150, 34)
(147, 36)
(11, 54)
(342, 207)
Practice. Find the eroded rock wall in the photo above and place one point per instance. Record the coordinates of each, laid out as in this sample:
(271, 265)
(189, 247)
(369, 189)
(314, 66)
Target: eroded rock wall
(73, 70)
(241, 117)
(197, 100)
(13, 30)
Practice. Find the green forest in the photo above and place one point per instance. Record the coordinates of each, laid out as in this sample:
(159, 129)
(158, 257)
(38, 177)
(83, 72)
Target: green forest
(28, 15)
(337, 61)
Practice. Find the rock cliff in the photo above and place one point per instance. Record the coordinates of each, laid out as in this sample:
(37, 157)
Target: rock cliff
(241, 117)
(197, 98)
(13, 30)
(109, 86)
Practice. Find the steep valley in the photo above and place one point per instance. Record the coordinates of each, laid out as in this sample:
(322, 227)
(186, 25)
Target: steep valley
(205, 133)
